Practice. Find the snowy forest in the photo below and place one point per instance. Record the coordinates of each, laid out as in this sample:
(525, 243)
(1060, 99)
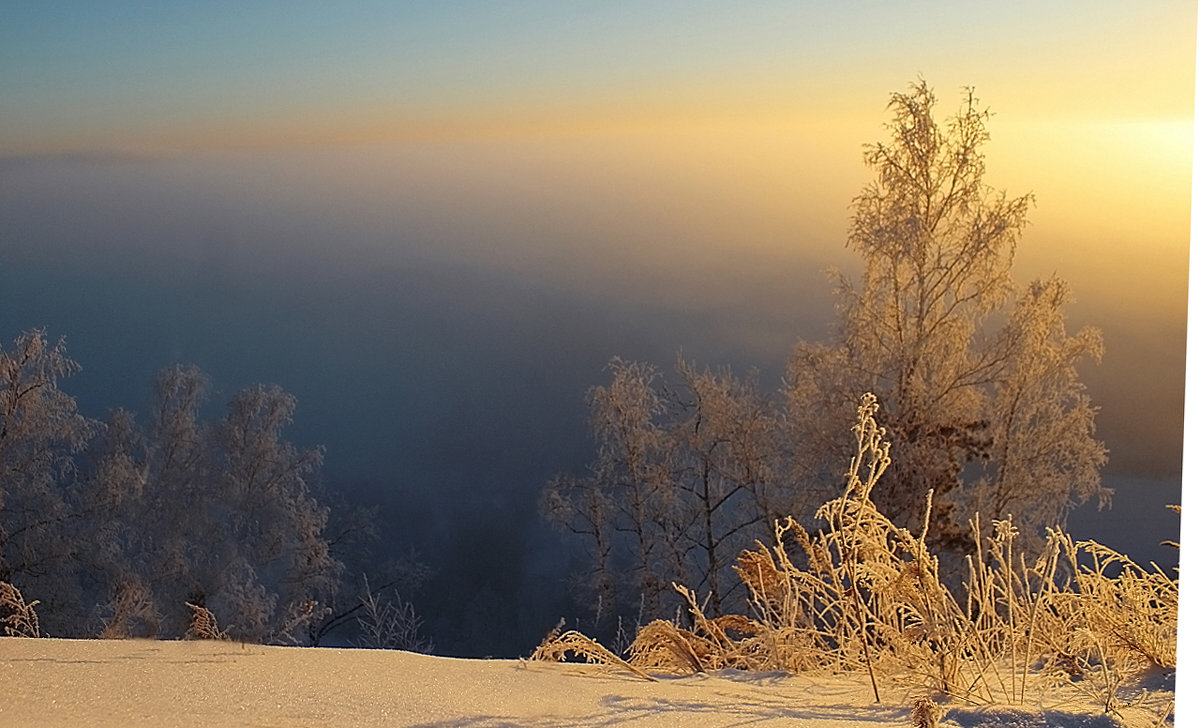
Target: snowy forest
(708, 494)
(128, 530)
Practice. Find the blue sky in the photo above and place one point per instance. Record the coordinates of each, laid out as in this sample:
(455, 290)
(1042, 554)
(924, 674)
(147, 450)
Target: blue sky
(118, 75)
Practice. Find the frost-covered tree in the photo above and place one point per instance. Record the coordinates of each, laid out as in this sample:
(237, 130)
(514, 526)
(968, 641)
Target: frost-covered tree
(684, 474)
(41, 432)
(219, 515)
(978, 391)
(267, 509)
(616, 509)
(725, 468)
(114, 527)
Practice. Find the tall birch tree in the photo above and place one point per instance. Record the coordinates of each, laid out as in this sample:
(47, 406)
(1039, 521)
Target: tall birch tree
(978, 384)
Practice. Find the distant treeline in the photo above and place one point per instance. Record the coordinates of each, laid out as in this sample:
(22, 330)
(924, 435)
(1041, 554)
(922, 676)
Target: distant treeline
(122, 528)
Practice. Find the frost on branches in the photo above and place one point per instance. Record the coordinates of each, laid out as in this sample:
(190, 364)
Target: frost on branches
(116, 527)
(976, 384)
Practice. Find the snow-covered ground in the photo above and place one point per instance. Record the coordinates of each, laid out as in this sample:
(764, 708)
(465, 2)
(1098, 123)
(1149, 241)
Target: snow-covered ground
(48, 682)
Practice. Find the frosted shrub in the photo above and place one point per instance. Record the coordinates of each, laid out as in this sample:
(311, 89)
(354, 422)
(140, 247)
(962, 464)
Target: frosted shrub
(864, 594)
(390, 623)
(132, 612)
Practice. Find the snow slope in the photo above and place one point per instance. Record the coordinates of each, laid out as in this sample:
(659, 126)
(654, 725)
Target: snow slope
(49, 682)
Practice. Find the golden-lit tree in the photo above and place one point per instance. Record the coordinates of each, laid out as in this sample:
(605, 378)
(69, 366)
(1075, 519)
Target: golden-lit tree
(978, 387)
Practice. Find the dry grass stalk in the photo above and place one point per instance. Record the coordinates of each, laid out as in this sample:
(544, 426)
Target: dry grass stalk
(389, 623)
(203, 625)
(300, 614)
(21, 620)
(925, 713)
(555, 648)
(870, 596)
(729, 641)
(133, 613)
(662, 646)
(1109, 621)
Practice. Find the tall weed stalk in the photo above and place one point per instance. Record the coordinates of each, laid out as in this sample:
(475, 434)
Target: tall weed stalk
(861, 593)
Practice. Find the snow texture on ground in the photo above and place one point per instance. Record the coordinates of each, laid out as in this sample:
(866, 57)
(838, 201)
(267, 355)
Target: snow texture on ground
(50, 682)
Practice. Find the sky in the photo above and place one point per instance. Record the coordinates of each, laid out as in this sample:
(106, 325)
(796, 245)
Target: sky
(436, 222)
(146, 77)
